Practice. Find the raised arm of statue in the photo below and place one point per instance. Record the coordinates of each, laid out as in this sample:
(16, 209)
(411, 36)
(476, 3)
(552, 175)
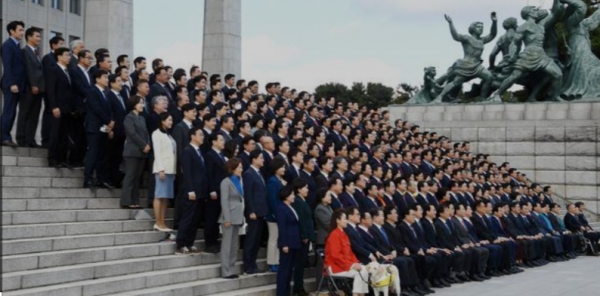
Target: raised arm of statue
(592, 22)
(555, 13)
(453, 32)
(493, 55)
(575, 12)
(493, 31)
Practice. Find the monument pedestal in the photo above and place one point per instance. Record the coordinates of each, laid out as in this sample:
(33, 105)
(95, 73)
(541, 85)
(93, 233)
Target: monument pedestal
(553, 143)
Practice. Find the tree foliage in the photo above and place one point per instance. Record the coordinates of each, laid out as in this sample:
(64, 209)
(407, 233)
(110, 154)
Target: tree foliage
(374, 95)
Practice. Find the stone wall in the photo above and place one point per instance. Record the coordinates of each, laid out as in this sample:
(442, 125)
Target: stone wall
(553, 143)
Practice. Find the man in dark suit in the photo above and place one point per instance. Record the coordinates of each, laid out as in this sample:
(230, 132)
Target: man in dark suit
(479, 254)
(116, 143)
(573, 224)
(191, 204)
(255, 211)
(216, 172)
(373, 232)
(48, 61)
(569, 238)
(160, 87)
(99, 127)
(447, 239)
(308, 168)
(13, 78)
(31, 103)
(60, 97)
(307, 232)
(139, 64)
(82, 84)
(181, 131)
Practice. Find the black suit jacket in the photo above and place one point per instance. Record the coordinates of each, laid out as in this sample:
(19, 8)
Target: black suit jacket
(482, 229)
(387, 246)
(34, 70)
(99, 112)
(81, 85)
(572, 223)
(411, 239)
(312, 189)
(194, 172)
(429, 233)
(182, 137)
(59, 90)
(445, 236)
(215, 170)
(361, 249)
(395, 236)
(119, 111)
(255, 194)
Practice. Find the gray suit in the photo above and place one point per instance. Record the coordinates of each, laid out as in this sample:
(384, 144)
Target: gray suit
(30, 105)
(136, 139)
(480, 254)
(232, 211)
(322, 218)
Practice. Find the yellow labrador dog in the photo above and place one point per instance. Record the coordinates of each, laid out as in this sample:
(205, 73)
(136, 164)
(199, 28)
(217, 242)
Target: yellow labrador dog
(384, 278)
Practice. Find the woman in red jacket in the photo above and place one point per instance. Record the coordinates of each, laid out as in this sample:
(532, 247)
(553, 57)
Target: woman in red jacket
(339, 257)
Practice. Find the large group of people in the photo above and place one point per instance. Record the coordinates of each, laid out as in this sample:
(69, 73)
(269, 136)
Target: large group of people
(292, 171)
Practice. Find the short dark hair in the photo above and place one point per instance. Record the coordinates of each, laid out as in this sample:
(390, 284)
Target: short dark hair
(112, 78)
(55, 40)
(229, 76)
(121, 58)
(29, 32)
(299, 183)
(98, 73)
(132, 101)
(82, 53)
(60, 51)
(12, 26)
(285, 192)
(156, 63)
(138, 60)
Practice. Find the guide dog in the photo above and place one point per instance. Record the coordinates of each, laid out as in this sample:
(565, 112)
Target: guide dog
(384, 278)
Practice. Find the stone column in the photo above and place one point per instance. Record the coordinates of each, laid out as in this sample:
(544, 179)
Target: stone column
(222, 43)
(109, 24)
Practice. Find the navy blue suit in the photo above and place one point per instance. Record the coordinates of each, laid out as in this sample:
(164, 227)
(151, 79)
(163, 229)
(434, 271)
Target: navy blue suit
(289, 236)
(407, 169)
(348, 200)
(14, 74)
(255, 201)
(215, 172)
(116, 144)
(99, 113)
(194, 180)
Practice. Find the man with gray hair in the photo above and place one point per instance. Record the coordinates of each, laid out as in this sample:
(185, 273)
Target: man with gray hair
(75, 46)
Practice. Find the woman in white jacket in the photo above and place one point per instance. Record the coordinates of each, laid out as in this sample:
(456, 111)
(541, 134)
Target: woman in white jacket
(165, 154)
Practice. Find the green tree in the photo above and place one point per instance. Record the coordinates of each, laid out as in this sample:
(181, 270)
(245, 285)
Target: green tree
(404, 92)
(357, 93)
(378, 95)
(332, 89)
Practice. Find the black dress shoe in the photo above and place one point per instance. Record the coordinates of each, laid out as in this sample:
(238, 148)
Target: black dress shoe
(419, 290)
(476, 278)
(9, 144)
(445, 283)
(483, 276)
(34, 145)
(90, 185)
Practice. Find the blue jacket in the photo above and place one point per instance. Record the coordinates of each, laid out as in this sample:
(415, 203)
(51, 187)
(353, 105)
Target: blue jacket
(273, 188)
(255, 194)
(288, 228)
(99, 112)
(13, 64)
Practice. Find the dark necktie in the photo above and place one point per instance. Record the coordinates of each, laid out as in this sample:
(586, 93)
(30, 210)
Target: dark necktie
(385, 236)
(200, 155)
(412, 229)
(68, 76)
(121, 101)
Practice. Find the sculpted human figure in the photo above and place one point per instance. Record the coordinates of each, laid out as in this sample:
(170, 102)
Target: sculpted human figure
(532, 58)
(582, 74)
(504, 42)
(431, 88)
(470, 66)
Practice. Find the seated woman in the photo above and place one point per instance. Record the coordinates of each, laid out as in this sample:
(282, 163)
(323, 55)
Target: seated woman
(339, 258)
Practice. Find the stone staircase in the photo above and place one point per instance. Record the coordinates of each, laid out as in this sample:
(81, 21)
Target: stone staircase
(60, 239)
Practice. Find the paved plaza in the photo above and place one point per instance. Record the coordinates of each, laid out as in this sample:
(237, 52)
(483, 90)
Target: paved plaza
(580, 277)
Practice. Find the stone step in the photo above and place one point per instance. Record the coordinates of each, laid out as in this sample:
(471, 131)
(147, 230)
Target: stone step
(41, 182)
(59, 229)
(80, 242)
(23, 262)
(66, 216)
(61, 192)
(211, 286)
(24, 161)
(100, 270)
(133, 283)
(16, 205)
(310, 284)
(21, 151)
(17, 171)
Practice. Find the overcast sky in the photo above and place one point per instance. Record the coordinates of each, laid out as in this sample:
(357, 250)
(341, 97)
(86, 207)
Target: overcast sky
(309, 42)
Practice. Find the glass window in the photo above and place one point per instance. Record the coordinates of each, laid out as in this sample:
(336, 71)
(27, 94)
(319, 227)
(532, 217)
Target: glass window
(56, 4)
(75, 7)
(38, 2)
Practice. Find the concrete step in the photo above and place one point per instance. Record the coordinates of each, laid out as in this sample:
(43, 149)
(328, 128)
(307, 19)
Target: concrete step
(61, 192)
(23, 262)
(20, 151)
(59, 229)
(45, 204)
(310, 284)
(66, 216)
(100, 270)
(80, 242)
(211, 286)
(24, 161)
(41, 182)
(136, 282)
(16, 171)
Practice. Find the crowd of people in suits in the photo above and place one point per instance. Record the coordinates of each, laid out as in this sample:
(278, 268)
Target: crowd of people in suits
(292, 171)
